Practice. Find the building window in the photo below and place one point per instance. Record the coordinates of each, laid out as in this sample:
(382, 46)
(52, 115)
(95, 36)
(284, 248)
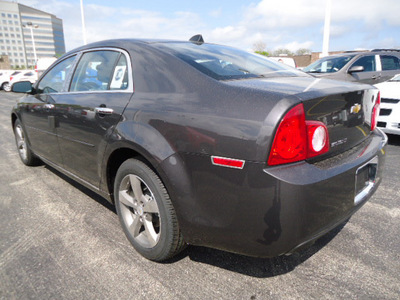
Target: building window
(10, 22)
(15, 16)
(3, 15)
(4, 22)
(9, 15)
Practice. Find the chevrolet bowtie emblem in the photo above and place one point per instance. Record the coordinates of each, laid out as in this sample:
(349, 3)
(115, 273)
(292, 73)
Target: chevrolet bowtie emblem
(355, 109)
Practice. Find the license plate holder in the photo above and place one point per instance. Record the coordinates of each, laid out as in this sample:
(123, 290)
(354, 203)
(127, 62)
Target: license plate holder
(365, 179)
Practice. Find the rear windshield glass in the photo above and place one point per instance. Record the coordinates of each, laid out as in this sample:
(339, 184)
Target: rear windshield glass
(226, 63)
(328, 64)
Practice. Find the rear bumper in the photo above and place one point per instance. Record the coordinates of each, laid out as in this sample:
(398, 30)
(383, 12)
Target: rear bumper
(267, 212)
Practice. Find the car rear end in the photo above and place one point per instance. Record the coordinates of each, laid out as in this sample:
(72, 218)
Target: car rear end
(325, 161)
(317, 165)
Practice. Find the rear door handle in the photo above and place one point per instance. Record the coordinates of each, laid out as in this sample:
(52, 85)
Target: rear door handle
(103, 110)
(376, 76)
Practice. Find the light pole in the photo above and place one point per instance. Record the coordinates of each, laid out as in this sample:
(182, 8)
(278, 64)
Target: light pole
(31, 26)
(83, 24)
(327, 28)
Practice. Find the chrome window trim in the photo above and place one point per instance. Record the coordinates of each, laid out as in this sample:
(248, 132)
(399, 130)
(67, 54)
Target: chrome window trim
(130, 76)
(78, 54)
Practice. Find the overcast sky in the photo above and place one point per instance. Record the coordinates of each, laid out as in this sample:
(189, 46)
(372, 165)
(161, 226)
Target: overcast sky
(292, 24)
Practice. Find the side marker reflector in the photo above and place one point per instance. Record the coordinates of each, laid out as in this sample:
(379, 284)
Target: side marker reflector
(227, 162)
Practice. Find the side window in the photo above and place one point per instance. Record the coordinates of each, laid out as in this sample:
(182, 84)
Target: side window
(389, 63)
(119, 79)
(99, 71)
(368, 62)
(54, 80)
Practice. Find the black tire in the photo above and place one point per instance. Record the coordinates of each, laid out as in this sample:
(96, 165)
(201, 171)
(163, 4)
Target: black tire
(24, 151)
(146, 212)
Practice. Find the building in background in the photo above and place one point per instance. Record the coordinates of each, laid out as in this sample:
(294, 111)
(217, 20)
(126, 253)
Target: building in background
(16, 22)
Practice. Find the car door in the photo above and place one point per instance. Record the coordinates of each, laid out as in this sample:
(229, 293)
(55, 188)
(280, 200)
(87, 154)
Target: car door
(100, 89)
(371, 74)
(39, 115)
(390, 67)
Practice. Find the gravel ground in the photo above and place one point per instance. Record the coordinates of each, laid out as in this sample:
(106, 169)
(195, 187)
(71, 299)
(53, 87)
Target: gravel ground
(60, 240)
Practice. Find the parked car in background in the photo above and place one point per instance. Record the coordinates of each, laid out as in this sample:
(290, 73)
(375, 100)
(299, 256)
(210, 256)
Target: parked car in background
(389, 116)
(285, 60)
(369, 67)
(5, 78)
(42, 64)
(204, 144)
(24, 75)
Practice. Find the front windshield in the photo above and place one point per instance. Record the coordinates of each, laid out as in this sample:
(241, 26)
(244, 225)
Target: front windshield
(225, 63)
(328, 64)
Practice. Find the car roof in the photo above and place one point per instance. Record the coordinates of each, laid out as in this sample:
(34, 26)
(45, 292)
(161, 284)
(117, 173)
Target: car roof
(367, 52)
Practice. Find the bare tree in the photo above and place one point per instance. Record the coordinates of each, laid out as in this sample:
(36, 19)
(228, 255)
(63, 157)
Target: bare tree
(259, 46)
(303, 51)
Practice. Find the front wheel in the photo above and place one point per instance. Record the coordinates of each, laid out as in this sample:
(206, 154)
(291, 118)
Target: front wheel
(146, 212)
(24, 151)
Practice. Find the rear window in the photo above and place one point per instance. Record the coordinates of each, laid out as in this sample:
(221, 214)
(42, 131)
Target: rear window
(226, 63)
(389, 63)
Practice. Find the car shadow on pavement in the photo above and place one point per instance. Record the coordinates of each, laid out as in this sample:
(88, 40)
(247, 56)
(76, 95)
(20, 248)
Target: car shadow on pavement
(251, 266)
(256, 267)
(394, 139)
(83, 189)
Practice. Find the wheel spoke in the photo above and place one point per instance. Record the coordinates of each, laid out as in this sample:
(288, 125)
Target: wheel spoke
(150, 232)
(135, 226)
(20, 134)
(126, 199)
(136, 185)
(151, 207)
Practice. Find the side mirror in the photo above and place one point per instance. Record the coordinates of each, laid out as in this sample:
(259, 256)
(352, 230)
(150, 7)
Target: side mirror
(355, 69)
(22, 87)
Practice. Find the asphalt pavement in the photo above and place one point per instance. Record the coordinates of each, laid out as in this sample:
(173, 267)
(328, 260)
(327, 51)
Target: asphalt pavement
(59, 240)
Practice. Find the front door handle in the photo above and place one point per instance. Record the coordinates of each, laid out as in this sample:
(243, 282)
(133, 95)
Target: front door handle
(103, 110)
(376, 76)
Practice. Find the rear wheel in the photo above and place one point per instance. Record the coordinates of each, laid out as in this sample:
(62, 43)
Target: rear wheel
(6, 87)
(146, 212)
(24, 151)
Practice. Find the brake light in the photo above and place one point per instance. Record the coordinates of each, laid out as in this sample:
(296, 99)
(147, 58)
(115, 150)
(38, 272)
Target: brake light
(375, 111)
(297, 139)
(11, 77)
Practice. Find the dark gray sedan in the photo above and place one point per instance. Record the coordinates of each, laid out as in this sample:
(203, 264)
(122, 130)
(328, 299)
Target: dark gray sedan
(204, 144)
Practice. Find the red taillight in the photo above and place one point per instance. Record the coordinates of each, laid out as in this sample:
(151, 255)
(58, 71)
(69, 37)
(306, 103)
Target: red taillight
(297, 139)
(375, 112)
(11, 77)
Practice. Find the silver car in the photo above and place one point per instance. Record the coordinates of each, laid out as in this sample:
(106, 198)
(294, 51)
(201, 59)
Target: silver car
(369, 67)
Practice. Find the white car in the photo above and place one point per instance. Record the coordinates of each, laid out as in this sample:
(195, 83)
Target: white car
(5, 78)
(389, 116)
(285, 60)
(23, 75)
